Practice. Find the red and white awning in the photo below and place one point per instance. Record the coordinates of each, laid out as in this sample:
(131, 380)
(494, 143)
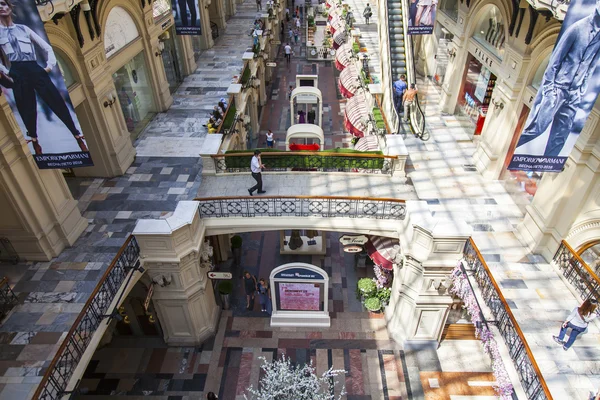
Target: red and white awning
(336, 25)
(342, 56)
(384, 251)
(339, 38)
(349, 81)
(367, 143)
(356, 115)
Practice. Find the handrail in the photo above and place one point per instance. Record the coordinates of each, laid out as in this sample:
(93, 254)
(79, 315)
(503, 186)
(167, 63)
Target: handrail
(65, 361)
(301, 207)
(395, 116)
(417, 124)
(351, 198)
(577, 272)
(525, 366)
(304, 153)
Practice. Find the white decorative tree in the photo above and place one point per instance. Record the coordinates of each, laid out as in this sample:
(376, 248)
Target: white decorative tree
(283, 381)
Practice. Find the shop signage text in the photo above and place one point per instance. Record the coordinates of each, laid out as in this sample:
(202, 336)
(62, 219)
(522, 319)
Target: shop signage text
(298, 273)
(219, 275)
(271, 64)
(481, 56)
(359, 240)
(352, 248)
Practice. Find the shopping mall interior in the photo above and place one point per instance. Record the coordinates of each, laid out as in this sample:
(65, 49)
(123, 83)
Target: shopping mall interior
(394, 233)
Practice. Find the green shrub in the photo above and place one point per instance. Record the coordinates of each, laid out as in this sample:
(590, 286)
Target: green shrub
(355, 48)
(378, 118)
(373, 304)
(225, 287)
(236, 242)
(384, 295)
(366, 287)
(245, 76)
(229, 116)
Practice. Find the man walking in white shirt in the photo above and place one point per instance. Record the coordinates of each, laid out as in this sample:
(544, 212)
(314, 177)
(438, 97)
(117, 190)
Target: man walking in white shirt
(288, 51)
(256, 166)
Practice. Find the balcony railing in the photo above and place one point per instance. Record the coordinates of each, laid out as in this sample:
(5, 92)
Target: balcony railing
(308, 161)
(531, 378)
(302, 206)
(69, 354)
(577, 272)
(7, 298)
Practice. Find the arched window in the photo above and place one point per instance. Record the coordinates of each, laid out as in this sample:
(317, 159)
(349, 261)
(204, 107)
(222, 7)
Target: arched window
(490, 31)
(66, 69)
(120, 30)
(536, 82)
(590, 253)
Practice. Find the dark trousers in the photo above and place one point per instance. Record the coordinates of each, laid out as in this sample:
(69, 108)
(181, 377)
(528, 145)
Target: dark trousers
(557, 108)
(30, 79)
(258, 178)
(288, 57)
(183, 12)
(575, 331)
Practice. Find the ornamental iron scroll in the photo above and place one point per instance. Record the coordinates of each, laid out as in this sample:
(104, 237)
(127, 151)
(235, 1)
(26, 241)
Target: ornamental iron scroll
(577, 272)
(302, 206)
(531, 378)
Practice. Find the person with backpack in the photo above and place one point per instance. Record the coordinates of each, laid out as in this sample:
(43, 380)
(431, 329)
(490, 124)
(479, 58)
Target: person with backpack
(368, 13)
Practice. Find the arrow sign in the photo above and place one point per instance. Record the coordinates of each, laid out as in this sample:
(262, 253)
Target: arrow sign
(219, 275)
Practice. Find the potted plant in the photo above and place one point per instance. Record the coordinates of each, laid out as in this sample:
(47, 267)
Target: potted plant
(366, 287)
(236, 248)
(225, 288)
(384, 295)
(373, 304)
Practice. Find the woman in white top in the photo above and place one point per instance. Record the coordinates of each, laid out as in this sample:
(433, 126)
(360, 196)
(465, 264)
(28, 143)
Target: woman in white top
(578, 321)
(270, 139)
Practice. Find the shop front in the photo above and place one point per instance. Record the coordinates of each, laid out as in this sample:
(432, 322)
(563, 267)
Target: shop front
(131, 77)
(442, 56)
(172, 60)
(476, 92)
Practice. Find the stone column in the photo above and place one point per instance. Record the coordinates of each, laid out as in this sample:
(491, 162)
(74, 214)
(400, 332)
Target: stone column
(174, 252)
(564, 202)
(454, 74)
(40, 216)
(189, 59)
(216, 12)
(498, 130)
(207, 40)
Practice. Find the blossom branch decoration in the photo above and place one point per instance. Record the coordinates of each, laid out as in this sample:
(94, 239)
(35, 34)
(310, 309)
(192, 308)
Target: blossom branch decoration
(462, 288)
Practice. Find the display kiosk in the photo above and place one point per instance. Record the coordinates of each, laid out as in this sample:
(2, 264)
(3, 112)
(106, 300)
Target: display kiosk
(300, 294)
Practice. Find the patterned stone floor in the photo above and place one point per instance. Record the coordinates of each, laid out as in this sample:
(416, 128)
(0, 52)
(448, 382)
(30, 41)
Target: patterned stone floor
(357, 342)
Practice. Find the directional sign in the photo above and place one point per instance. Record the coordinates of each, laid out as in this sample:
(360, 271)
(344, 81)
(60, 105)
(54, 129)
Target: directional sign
(271, 64)
(219, 275)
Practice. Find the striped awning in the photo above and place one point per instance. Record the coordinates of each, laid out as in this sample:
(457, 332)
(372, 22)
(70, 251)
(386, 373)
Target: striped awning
(384, 251)
(339, 38)
(356, 115)
(349, 81)
(367, 143)
(342, 56)
(337, 25)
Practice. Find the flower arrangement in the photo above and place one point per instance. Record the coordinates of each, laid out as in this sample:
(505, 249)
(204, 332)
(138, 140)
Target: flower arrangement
(383, 277)
(461, 288)
(283, 381)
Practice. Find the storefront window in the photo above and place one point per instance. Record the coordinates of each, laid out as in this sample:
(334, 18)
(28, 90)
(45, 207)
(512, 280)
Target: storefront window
(441, 59)
(476, 94)
(197, 46)
(450, 8)
(65, 69)
(135, 94)
(161, 9)
(172, 60)
(490, 32)
(539, 73)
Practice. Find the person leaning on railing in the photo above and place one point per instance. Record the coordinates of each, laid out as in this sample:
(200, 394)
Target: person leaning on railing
(578, 321)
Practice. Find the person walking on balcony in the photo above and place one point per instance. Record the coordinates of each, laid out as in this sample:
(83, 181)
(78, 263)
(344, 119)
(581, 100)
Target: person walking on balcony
(399, 87)
(258, 5)
(368, 13)
(250, 287)
(264, 295)
(270, 139)
(408, 99)
(256, 167)
(288, 52)
(578, 321)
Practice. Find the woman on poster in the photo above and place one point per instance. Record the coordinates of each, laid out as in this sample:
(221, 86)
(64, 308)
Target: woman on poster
(27, 78)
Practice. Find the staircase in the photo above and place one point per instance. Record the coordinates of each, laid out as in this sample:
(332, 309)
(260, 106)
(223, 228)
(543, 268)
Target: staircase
(396, 37)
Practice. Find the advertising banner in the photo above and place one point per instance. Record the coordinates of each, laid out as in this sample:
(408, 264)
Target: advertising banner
(568, 91)
(299, 296)
(33, 84)
(421, 16)
(187, 17)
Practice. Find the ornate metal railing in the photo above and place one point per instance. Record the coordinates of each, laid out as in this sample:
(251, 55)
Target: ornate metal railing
(531, 378)
(302, 206)
(59, 372)
(7, 298)
(307, 161)
(577, 272)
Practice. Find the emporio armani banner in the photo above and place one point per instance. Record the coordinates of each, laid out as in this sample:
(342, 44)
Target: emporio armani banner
(421, 16)
(35, 89)
(187, 17)
(568, 92)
